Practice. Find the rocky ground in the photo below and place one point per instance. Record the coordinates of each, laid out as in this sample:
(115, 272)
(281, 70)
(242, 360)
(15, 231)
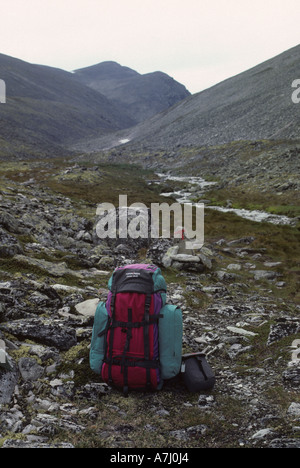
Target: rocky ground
(240, 305)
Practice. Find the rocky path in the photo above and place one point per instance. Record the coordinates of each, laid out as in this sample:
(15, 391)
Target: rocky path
(52, 272)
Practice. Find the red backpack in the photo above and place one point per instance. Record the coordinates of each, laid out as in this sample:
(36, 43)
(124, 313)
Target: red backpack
(137, 338)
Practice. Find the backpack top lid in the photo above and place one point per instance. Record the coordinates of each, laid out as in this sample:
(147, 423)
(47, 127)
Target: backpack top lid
(136, 278)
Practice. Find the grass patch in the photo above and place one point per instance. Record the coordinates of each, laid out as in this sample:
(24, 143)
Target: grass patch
(250, 199)
(86, 182)
(196, 299)
(17, 268)
(113, 180)
(278, 353)
(282, 242)
(77, 359)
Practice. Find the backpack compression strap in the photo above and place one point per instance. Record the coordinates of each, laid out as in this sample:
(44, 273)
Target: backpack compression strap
(146, 338)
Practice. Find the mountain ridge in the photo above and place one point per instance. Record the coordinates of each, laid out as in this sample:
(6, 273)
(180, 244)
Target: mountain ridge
(253, 105)
(242, 107)
(140, 95)
(47, 109)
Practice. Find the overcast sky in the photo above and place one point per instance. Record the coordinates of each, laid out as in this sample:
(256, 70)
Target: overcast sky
(197, 42)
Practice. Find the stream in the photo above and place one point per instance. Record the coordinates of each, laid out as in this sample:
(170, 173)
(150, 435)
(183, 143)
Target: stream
(185, 196)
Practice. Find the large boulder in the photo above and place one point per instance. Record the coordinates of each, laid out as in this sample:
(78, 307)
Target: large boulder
(9, 245)
(9, 376)
(45, 331)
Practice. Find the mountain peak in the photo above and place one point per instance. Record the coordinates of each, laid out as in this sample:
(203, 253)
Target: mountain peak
(142, 96)
(104, 70)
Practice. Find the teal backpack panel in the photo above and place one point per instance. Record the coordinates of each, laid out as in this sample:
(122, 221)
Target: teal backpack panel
(159, 281)
(170, 341)
(98, 343)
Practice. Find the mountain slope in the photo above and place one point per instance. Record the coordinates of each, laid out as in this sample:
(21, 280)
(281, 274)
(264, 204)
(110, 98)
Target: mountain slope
(46, 107)
(253, 105)
(141, 96)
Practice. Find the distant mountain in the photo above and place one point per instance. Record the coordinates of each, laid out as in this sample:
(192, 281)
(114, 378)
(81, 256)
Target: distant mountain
(48, 107)
(140, 96)
(256, 104)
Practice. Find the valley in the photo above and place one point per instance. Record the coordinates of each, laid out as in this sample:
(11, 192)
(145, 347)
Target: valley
(241, 309)
(71, 141)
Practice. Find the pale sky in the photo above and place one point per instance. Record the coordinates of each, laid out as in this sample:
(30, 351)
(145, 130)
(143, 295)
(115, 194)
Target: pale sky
(198, 42)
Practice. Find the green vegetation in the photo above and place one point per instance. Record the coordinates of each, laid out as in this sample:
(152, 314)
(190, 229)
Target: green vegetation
(161, 420)
(87, 183)
(288, 204)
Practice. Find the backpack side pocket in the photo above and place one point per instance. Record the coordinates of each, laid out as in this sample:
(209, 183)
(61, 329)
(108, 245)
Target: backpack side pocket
(170, 341)
(98, 343)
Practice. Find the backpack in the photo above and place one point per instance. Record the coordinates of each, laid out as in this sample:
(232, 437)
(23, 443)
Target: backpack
(137, 337)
